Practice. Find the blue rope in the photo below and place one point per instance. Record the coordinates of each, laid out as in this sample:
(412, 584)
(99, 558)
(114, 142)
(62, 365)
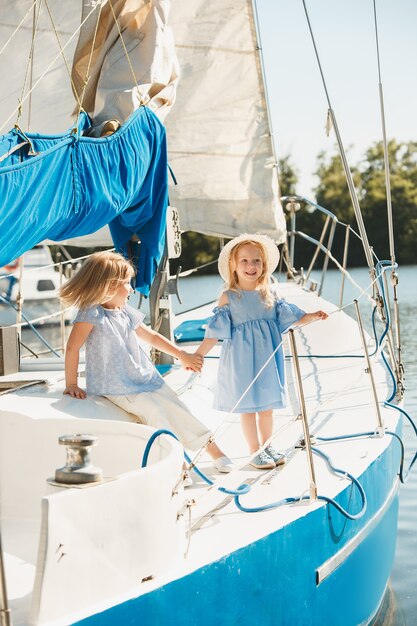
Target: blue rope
(400, 472)
(384, 266)
(244, 488)
(239, 491)
(354, 480)
(267, 507)
(369, 433)
(344, 512)
(155, 435)
(275, 505)
(374, 310)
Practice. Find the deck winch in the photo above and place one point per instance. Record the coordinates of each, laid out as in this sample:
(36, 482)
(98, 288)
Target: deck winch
(78, 468)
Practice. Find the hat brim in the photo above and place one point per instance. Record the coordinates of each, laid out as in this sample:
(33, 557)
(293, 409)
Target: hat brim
(272, 252)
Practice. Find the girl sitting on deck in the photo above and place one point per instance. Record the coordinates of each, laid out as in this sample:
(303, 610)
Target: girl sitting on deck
(116, 365)
(250, 319)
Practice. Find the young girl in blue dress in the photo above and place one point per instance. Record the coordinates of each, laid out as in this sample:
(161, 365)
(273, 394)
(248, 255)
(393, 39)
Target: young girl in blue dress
(116, 365)
(250, 320)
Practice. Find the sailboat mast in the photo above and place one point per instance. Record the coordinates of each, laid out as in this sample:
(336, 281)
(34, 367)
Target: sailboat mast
(160, 307)
(164, 285)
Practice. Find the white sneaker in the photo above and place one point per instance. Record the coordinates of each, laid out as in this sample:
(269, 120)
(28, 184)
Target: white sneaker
(263, 461)
(278, 457)
(223, 464)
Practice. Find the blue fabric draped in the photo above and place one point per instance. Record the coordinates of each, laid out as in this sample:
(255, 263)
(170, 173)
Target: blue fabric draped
(76, 184)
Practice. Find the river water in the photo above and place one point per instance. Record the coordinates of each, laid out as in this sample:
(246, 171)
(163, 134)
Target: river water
(197, 290)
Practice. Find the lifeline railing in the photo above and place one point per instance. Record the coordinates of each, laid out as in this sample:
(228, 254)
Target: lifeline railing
(292, 205)
(306, 430)
(379, 430)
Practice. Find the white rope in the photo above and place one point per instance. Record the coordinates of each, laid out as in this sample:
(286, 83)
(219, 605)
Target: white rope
(348, 173)
(18, 26)
(87, 73)
(29, 65)
(48, 68)
(62, 52)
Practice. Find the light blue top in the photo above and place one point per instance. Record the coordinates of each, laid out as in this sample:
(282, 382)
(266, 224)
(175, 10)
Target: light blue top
(251, 332)
(115, 362)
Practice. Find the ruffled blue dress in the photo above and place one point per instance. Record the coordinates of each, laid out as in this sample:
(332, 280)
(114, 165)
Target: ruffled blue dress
(251, 332)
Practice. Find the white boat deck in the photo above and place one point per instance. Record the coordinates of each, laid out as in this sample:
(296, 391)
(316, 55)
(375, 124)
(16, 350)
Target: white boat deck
(338, 401)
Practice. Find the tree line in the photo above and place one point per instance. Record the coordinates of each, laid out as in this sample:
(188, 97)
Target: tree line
(332, 193)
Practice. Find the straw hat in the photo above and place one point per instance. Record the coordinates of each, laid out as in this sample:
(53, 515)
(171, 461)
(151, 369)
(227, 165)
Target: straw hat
(271, 252)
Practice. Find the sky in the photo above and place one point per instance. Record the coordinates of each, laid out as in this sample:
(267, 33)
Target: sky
(345, 38)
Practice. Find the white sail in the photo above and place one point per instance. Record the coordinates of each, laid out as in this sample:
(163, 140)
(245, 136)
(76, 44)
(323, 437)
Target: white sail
(220, 145)
(143, 56)
(48, 108)
(219, 137)
(69, 30)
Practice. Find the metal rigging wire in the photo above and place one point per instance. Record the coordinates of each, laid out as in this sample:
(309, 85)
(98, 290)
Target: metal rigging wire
(384, 136)
(348, 174)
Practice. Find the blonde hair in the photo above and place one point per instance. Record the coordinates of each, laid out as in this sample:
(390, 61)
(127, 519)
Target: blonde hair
(97, 280)
(264, 278)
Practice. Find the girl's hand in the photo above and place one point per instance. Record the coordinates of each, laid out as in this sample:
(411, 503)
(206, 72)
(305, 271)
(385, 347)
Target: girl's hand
(193, 362)
(75, 392)
(321, 315)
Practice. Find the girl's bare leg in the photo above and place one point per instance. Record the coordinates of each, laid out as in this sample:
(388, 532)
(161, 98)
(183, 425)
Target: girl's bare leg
(250, 431)
(265, 425)
(214, 451)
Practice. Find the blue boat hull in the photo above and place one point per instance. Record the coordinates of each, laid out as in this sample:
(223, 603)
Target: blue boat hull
(279, 579)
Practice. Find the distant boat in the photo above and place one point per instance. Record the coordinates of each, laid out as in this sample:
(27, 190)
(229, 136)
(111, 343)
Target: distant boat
(311, 542)
(40, 280)
(35, 276)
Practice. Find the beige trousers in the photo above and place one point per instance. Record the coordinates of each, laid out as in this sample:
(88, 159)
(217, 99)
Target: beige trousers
(163, 409)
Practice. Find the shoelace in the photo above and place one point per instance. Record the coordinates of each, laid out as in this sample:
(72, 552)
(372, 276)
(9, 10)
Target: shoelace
(271, 451)
(264, 456)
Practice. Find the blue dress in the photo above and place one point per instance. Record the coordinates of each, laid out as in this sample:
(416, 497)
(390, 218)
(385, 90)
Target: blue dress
(251, 332)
